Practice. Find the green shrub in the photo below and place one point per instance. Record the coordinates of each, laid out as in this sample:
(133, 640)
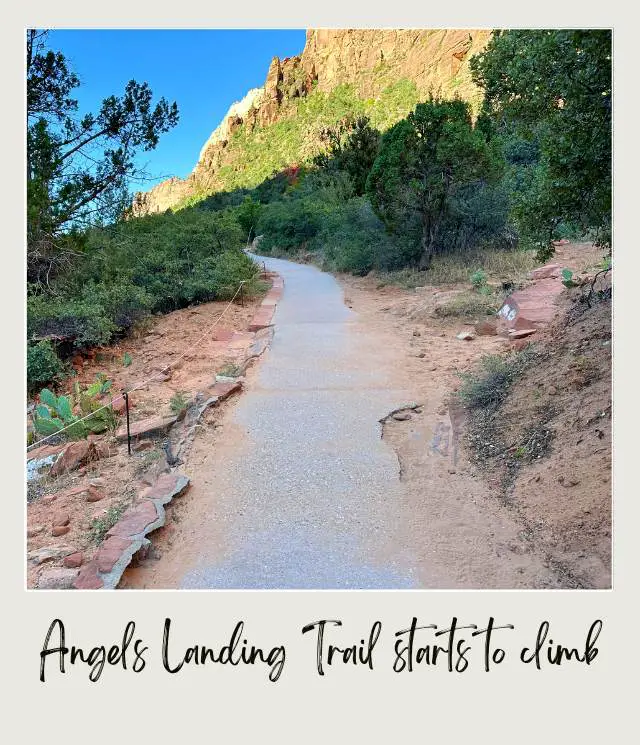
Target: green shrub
(487, 387)
(157, 263)
(179, 402)
(353, 239)
(478, 279)
(43, 365)
(288, 225)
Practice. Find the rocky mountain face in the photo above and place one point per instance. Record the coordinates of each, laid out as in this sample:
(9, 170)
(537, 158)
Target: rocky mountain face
(369, 62)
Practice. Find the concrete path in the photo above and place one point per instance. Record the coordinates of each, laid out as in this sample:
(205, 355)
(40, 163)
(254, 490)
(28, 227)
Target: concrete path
(310, 497)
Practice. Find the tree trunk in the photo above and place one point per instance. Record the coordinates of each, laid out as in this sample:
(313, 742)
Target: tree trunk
(426, 245)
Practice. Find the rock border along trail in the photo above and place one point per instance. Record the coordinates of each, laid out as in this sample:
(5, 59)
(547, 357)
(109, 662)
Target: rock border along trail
(129, 535)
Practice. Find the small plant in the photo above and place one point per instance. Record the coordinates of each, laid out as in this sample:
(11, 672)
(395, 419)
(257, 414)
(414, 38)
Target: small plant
(100, 526)
(43, 365)
(567, 278)
(488, 387)
(179, 403)
(54, 413)
(230, 370)
(478, 279)
(126, 359)
(89, 401)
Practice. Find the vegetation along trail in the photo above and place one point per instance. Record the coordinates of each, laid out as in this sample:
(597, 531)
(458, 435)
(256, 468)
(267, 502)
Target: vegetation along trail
(301, 490)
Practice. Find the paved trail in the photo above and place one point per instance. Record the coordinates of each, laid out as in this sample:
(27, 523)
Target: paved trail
(309, 498)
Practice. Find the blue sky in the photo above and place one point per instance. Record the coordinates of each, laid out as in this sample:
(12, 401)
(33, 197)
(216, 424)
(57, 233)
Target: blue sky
(203, 71)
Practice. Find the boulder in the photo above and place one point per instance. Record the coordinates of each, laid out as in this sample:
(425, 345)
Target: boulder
(146, 426)
(94, 494)
(547, 271)
(59, 530)
(57, 578)
(49, 553)
(521, 333)
(61, 519)
(487, 327)
(466, 336)
(74, 455)
(73, 561)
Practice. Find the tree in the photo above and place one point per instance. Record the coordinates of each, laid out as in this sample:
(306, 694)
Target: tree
(352, 146)
(248, 214)
(424, 162)
(78, 168)
(553, 89)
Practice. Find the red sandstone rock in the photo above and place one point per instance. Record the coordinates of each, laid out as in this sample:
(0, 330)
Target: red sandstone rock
(71, 457)
(146, 426)
(45, 450)
(134, 520)
(224, 390)
(487, 327)
(88, 578)
(94, 494)
(521, 333)
(110, 551)
(60, 519)
(57, 578)
(262, 318)
(533, 307)
(547, 271)
(73, 561)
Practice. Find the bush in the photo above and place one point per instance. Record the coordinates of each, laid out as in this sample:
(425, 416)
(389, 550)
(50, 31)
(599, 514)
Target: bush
(353, 239)
(488, 387)
(43, 365)
(157, 263)
(289, 224)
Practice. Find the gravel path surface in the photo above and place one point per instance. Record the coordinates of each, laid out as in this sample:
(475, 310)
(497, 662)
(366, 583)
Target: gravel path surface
(310, 497)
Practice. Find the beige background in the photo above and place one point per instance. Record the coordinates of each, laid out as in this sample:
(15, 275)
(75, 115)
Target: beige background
(514, 703)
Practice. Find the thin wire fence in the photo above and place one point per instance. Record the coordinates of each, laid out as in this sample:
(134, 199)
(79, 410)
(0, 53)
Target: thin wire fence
(138, 386)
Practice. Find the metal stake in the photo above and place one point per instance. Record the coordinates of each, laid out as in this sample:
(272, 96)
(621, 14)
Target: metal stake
(126, 404)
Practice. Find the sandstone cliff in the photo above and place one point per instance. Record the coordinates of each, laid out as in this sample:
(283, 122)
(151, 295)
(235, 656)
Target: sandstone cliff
(366, 63)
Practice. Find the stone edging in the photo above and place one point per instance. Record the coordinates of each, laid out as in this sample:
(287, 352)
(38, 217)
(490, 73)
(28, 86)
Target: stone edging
(129, 534)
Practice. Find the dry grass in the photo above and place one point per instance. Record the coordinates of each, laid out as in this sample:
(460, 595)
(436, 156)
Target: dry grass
(503, 266)
(468, 305)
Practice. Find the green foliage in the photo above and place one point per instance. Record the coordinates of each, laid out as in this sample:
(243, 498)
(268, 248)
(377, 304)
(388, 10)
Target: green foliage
(425, 163)
(353, 239)
(248, 214)
(288, 225)
(488, 387)
(352, 146)
(478, 279)
(100, 526)
(179, 402)
(550, 92)
(78, 167)
(43, 365)
(152, 264)
(567, 278)
(126, 359)
(53, 413)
